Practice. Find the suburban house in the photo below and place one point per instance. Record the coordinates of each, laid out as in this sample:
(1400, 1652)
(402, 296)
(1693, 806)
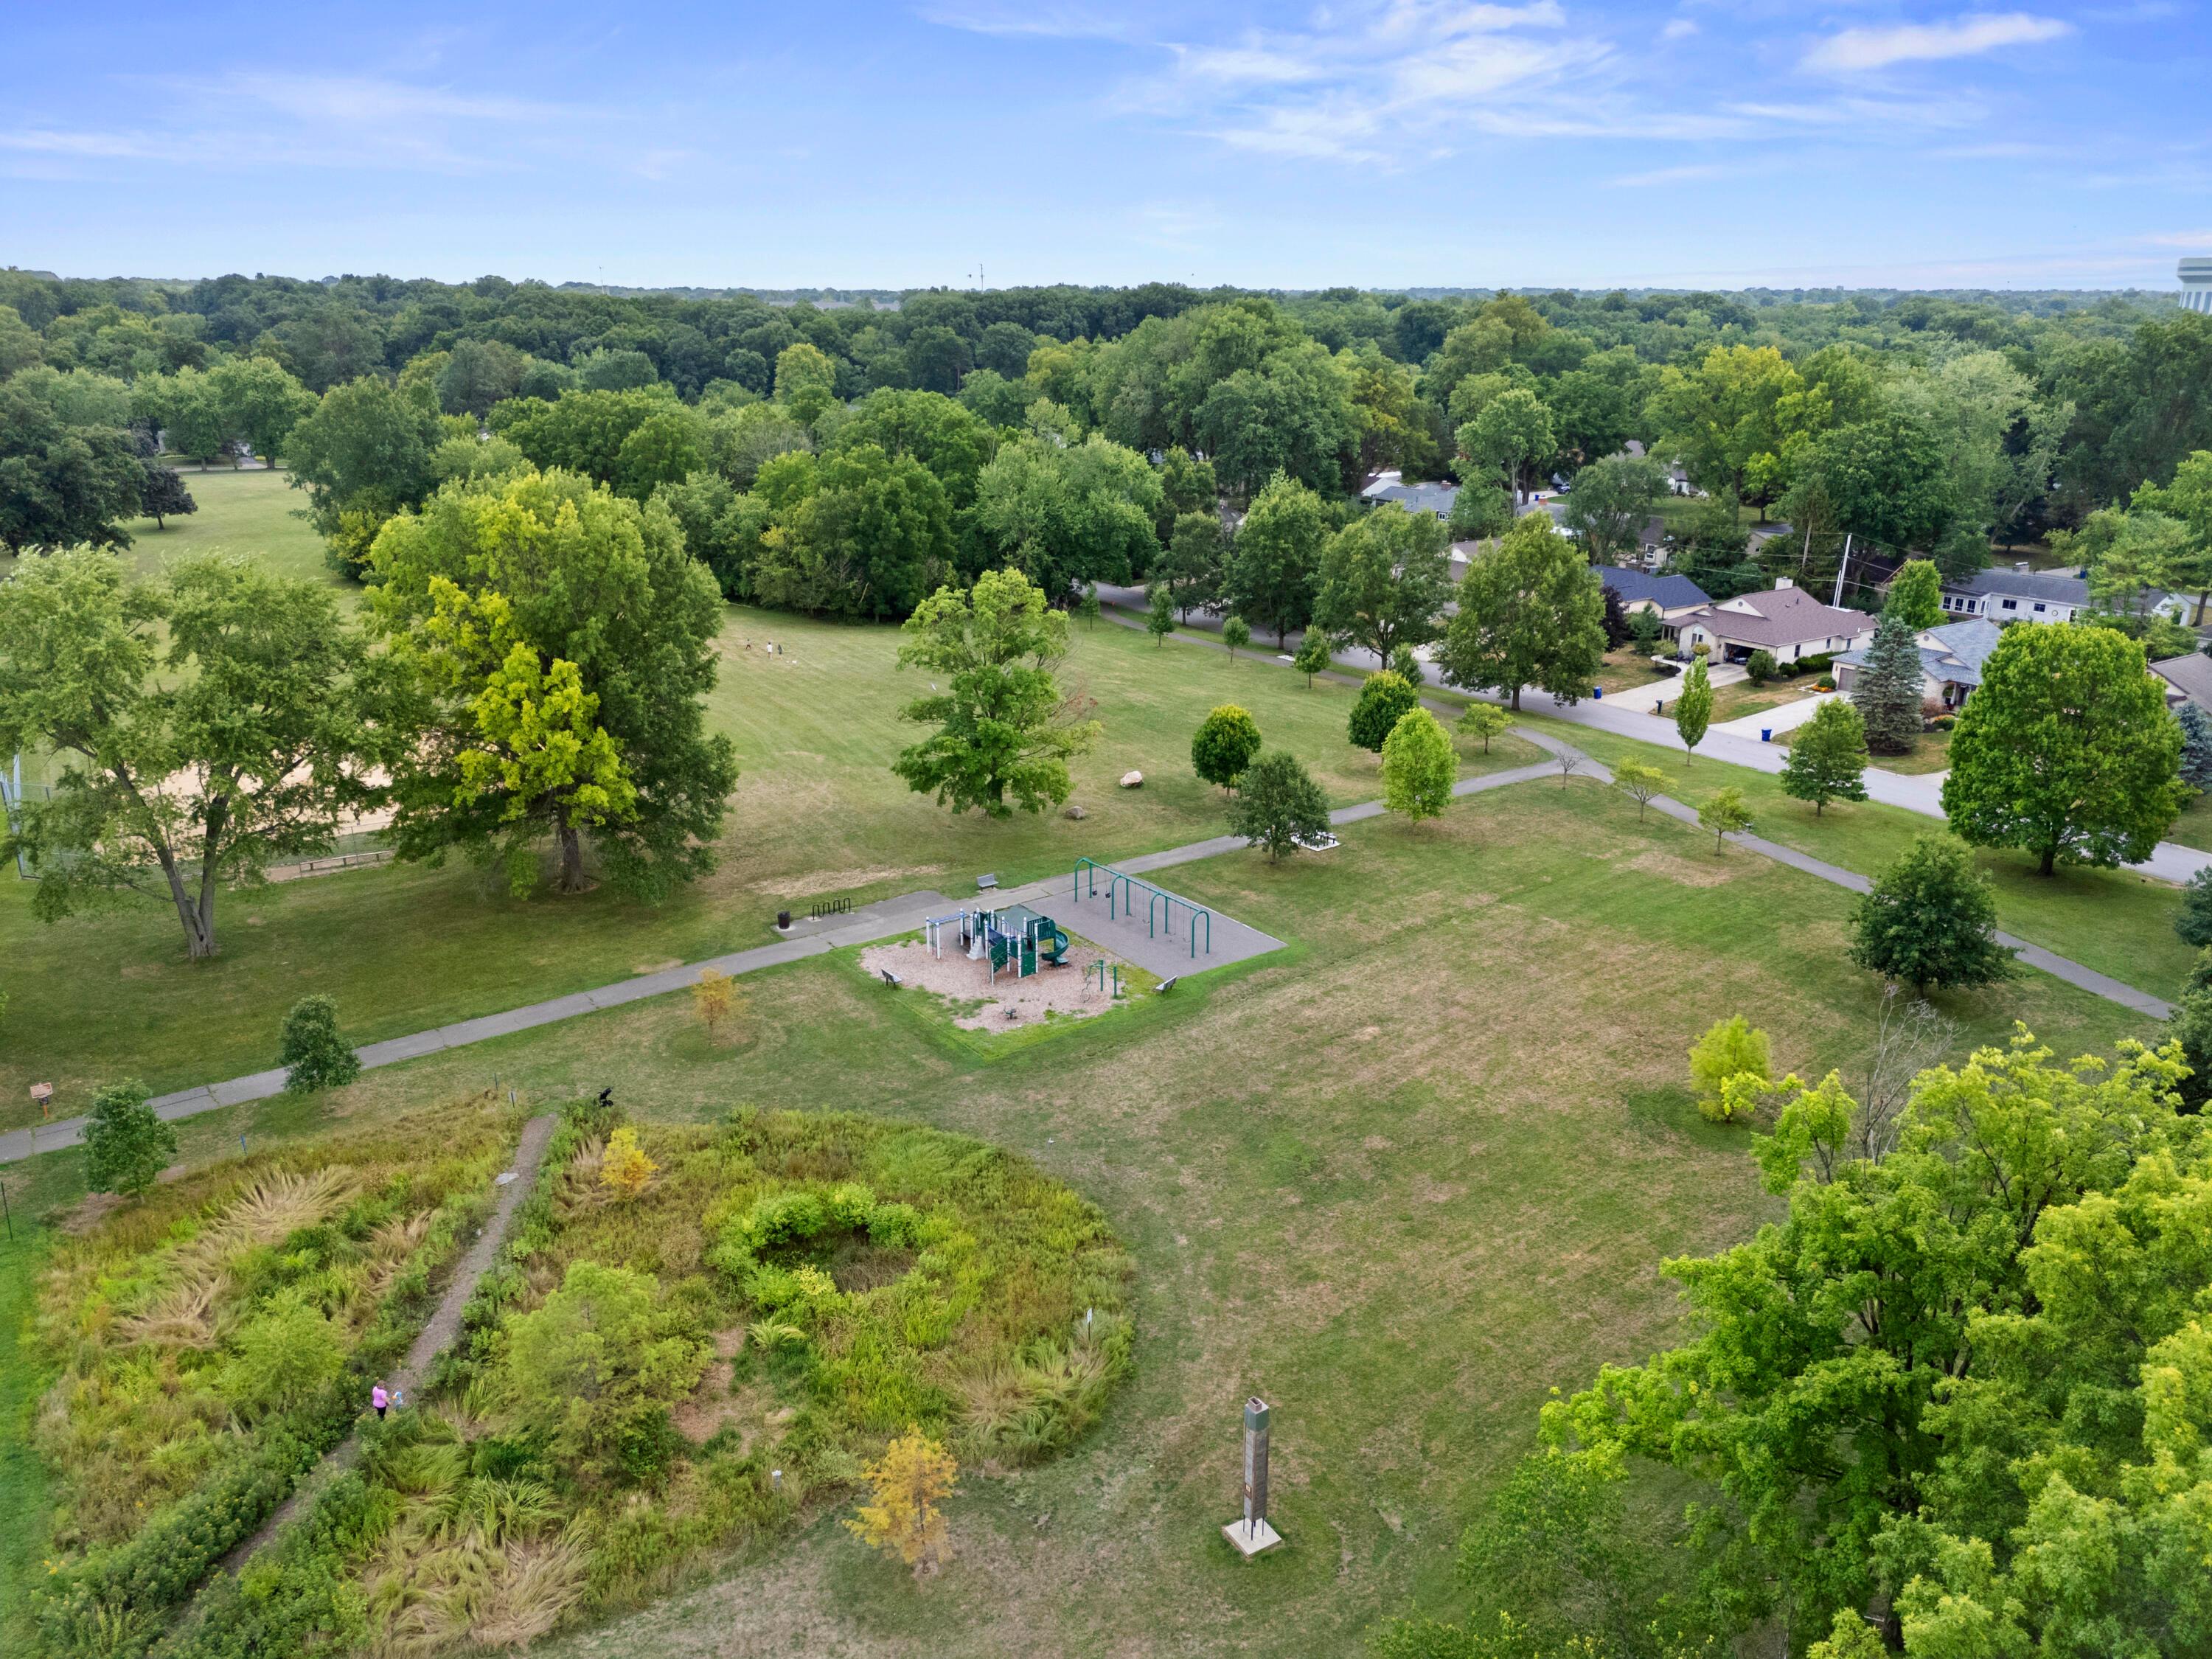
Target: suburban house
(2188, 679)
(1651, 542)
(1784, 621)
(1391, 486)
(1951, 659)
(2017, 595)
(1670, 598)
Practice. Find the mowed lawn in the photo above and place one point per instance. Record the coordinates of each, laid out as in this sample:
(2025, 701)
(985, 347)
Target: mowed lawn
(2113, 920)
(817, 813)
(256, 514)
(1399, 1180)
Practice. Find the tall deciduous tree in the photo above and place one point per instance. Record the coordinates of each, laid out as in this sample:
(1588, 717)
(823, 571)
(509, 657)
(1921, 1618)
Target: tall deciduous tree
(2066, 750)
(1419, 766)
(1970, 1468)
(1005, 734)
(1610, 503)
(364, 450)
(210, 722)
(61, 485)
(1916, 593)
(564, 644)
(1384, 579)
(260, 402)
(1274, 565)
(1512, 433)
(1065, 515)
(1531, 612)
(1828, 757)
(1889, 686)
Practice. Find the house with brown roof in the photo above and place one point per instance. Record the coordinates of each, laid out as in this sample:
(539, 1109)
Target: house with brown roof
(1784, 621)
(2188, 679)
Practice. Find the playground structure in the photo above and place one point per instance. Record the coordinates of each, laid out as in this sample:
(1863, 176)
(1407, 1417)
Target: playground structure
(1161, 907)
(1012, 938)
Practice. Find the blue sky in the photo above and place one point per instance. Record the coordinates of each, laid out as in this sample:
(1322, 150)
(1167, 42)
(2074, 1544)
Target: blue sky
(1377, 143)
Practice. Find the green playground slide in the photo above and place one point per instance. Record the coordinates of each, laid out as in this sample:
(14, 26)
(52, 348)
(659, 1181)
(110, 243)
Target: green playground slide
(1058, 953)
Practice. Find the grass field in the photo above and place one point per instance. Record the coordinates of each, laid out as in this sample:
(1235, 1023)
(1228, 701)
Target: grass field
(1400, 1180)
(2113, 920)
(252, 513)
(816, 812)
(1931, 752)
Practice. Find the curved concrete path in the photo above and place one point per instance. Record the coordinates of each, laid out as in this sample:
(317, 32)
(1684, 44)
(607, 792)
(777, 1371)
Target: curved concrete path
(890, 917)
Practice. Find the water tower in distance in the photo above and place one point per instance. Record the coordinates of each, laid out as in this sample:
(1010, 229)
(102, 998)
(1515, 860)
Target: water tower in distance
(2197, 285)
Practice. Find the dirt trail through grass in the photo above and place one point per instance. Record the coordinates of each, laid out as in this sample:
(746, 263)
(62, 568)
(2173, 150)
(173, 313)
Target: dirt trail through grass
(435, 1336)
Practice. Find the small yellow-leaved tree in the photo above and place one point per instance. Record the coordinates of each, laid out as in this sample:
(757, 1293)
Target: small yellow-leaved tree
(626, 1169)
(719, 1000)
(913, 1473)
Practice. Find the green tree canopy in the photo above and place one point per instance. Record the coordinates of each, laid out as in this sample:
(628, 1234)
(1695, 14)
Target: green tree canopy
(364, 449)
(126, 1146)
(561, 640)
(1930, 920)
(2066, 750)
(1419, 766)
(1274, 563)
(1384, 579)
(61, 485)
(1278, 804)
(869, 539)
(1384, 699)
(208, 721)
(1531, 612)
(1611, 500)
(1223, 746)
(1005, 734)
(1066, 515)
(1828, 757)
(1916, 593)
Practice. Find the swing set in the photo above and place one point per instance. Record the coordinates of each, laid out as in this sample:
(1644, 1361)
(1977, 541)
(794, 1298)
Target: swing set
(1160, 907)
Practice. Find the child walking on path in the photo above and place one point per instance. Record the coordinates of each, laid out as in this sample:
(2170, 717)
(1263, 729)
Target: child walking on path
(379, 1399)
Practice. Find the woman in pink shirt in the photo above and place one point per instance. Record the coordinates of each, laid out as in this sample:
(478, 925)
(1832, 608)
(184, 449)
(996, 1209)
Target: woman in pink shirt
(379, 1399)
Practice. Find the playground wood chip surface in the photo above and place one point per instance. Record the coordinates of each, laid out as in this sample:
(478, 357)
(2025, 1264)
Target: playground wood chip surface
(961, 982)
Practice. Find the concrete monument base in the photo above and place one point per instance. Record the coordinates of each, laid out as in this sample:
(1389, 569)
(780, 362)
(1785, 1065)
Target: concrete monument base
(1251, 1538)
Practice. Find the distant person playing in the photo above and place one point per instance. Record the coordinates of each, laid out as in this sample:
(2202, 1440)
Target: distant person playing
(378, 1398)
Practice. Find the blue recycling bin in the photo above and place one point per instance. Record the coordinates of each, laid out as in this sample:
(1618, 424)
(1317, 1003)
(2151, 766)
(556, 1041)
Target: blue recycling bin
(1598, 691)
(1766, 734)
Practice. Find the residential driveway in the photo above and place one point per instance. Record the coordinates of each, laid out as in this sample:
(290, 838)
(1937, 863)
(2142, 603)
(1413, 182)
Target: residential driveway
(1783, 717)
(1645, 699)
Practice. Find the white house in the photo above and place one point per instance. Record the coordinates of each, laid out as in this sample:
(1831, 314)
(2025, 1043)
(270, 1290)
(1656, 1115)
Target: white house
(1784, 621)
(2017, 595)
(1391, 486)
(1951, 659)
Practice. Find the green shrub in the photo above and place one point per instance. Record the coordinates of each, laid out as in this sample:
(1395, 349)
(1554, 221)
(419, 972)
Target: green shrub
(1758, 667)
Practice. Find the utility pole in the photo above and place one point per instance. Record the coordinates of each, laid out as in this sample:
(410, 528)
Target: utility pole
(1837, 604)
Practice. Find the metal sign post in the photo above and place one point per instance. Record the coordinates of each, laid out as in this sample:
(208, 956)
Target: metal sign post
(1252, 1534)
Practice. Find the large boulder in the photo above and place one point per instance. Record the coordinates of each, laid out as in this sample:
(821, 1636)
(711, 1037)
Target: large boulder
(1133, 780)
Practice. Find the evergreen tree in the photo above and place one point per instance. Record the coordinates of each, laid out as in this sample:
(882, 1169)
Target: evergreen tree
(2195, 745)
(2193, 920)
(1930, 920)
(126, 1145)
(1887, 690)
(1828, 757)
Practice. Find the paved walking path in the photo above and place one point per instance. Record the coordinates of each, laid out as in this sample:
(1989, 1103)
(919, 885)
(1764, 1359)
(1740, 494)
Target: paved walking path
(905, 913)
(434, 1339)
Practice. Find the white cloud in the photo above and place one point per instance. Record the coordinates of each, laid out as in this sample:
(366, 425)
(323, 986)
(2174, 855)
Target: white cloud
(2186, 239)
(1859, 49)
(1679, 28)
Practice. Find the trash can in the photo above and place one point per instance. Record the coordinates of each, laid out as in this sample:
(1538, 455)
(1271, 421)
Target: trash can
(1766, 734)
(783, 918)
(1597, 692)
